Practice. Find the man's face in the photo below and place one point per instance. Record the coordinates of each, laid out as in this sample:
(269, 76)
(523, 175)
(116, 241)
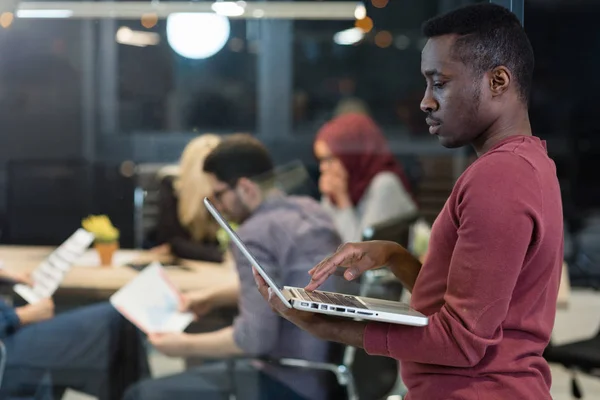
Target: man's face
(228, 201)
(455, 98)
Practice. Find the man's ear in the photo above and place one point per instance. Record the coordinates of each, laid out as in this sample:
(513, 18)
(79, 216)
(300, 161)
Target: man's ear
(499, 79)
(247, 187)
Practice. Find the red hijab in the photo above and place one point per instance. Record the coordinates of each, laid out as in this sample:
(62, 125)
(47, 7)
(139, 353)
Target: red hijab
(357, 141)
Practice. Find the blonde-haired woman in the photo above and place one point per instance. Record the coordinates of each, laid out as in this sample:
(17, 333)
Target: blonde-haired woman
(184, 227)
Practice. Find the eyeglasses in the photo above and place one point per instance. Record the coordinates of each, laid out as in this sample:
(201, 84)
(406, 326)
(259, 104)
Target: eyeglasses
(218, 195)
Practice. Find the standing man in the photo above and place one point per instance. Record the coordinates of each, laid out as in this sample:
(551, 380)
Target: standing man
(490, 282)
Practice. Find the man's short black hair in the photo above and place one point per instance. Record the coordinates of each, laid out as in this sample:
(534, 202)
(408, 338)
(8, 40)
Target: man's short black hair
(238, 156)
(490, 36)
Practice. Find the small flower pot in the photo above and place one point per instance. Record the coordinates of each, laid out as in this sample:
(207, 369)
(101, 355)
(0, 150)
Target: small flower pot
(106, 251)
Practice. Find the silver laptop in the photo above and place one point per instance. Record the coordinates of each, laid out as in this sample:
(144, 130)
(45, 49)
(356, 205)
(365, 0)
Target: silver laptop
(321, 302)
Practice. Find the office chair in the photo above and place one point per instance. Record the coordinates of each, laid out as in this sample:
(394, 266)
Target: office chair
(2, 361)
(395, 230)
(357, 375)
(145, 201)
(579, 356)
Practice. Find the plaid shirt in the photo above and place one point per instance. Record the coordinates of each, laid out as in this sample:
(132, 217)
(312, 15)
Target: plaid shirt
(9, 321)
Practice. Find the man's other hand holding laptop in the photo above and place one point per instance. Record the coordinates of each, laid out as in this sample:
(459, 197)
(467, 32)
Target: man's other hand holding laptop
(357, 258)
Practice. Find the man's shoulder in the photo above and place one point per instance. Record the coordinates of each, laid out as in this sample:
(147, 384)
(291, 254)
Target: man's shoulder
(507, 175)
(523, 154)
(291, 215)
(280, 213)
(499, 166)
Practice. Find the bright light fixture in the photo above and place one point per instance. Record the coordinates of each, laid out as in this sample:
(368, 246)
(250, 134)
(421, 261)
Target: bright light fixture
(134, 10)
(197, 35)
(360, 11)
(44, 13)
(229, 8)
(127, 36)
(349, 36)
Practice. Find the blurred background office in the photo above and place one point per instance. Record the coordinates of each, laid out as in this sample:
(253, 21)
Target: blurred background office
(96, 98)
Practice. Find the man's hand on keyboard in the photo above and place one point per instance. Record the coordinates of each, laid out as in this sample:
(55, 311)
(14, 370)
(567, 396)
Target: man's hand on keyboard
(355, 257)
(324, 327)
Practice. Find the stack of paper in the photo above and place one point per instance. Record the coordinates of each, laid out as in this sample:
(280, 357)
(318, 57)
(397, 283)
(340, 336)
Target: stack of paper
(151, 302)
(48, 276)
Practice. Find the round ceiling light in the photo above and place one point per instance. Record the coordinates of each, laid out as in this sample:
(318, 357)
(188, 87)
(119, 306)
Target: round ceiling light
(197, 35)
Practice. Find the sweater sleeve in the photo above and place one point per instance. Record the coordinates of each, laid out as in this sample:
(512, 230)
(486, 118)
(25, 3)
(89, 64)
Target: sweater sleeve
(495, 216)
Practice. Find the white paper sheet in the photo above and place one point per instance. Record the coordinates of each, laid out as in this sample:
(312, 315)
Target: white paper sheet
(151, 302)
(50, 273)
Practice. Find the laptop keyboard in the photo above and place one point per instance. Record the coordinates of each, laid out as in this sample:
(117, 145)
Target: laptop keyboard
(331, 298)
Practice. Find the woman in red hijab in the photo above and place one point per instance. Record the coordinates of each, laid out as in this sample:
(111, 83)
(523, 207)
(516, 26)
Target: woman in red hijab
(361, 182)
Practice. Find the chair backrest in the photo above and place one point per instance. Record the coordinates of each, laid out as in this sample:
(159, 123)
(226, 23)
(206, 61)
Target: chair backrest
(375, 376)
(2, 361)
(395, 230)
(146, 197)
(113, 196)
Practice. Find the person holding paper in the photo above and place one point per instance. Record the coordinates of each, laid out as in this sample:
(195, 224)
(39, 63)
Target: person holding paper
(287, 235)
(92, 349)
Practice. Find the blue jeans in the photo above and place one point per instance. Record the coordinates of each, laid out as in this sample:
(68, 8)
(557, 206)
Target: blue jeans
(92, 349)
(213, 382)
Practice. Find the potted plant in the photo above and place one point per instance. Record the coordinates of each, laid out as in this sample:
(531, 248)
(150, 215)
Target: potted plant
(106, 240)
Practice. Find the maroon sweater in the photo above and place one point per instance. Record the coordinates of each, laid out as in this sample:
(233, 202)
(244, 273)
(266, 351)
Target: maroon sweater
(489, 284)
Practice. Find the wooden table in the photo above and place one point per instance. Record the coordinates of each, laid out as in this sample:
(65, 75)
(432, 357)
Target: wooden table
(101, 282)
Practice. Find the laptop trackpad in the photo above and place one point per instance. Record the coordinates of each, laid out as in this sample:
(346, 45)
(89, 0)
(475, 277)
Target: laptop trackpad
(385, 305)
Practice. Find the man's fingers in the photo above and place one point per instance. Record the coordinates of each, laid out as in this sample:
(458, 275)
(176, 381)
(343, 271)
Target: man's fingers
(314, 284)
(263, 288)
(275, 302)
(348, 256)
(325, 269)
(328, 266)
(257, 278)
